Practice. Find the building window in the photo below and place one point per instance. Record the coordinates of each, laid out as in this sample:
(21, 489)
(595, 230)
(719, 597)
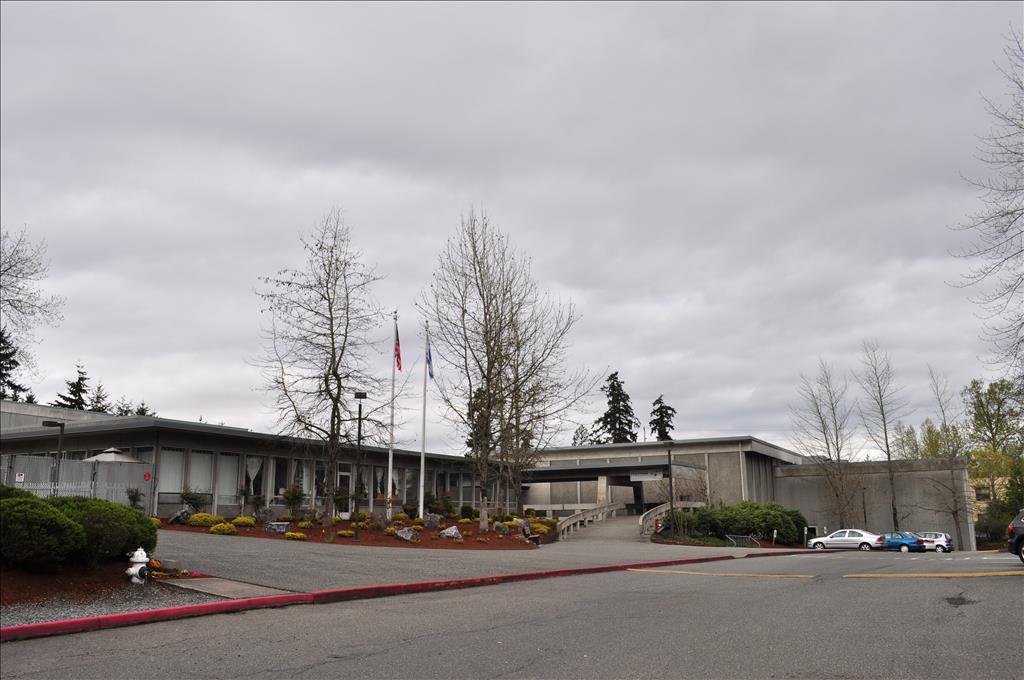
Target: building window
(200, 471)
(170, 470)
(982, 493)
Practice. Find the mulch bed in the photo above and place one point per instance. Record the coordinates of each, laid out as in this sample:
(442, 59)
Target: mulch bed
(77, 584)
(368, 537)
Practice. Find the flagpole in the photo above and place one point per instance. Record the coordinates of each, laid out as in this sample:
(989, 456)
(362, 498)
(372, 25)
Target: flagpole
(423, 438)
(391, 442)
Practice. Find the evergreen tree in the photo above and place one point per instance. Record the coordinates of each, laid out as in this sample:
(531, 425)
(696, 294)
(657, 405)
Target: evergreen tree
(9, 364)
(661, 419)
(618, 424)
(100, 400)
(78, 391)
(581, 437)
(123, 407)
(143, 410)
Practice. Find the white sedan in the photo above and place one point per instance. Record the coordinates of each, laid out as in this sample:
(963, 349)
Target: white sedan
(851, 539)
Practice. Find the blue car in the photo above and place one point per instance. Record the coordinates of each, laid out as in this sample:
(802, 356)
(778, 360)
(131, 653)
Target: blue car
(904, 542)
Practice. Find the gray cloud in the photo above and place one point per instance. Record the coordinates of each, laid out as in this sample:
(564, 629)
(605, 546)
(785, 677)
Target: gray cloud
(726, 192)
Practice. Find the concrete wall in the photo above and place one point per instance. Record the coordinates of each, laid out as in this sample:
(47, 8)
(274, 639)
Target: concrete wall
(922, 493)
(19, 414)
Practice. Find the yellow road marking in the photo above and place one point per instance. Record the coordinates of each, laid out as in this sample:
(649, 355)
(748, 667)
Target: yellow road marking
(961, 574)
(711, 573)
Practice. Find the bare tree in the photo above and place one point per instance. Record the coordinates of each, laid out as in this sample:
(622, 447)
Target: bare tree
(999, 225)
(823, 432)
(881, 409)
(951, 493)
(505, 342)
(23, 305)
(319, 342)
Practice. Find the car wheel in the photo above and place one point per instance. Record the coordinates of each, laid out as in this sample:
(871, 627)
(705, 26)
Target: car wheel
(818, 546)
(904, 548)
(865, 546)
(940, 549)
(1020, 551)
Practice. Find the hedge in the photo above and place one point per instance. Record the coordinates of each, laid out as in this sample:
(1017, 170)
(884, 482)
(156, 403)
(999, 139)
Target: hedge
(14, 492)
(35, 534)
(111, 529)
(743, 519)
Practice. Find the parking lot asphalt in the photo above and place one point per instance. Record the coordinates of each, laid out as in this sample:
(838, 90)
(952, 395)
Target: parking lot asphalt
(624, 624)
(304, 567)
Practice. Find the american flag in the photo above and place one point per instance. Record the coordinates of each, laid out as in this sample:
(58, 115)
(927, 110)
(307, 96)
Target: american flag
(398, 349)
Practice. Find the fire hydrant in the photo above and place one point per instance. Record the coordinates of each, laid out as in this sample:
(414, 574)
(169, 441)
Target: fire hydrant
(138, 571)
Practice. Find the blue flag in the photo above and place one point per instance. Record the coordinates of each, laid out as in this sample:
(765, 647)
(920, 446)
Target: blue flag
(430, 362)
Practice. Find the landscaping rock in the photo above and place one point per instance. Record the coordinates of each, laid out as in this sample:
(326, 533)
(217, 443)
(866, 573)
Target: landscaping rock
(451, 532)
(431, 520)
(408, 534)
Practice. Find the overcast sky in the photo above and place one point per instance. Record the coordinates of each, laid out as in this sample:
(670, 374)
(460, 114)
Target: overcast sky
(726, 192)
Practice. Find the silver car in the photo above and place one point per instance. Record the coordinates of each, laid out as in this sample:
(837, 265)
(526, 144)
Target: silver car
(937, 541)
(851, 539)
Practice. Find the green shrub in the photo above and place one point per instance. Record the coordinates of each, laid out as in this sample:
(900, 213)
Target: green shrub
(192, 499)
(466, 512)
(360, 525)
(391, 531)
(135, 497)
(530, 512)
(552, 522)
(305, 524)
(295, 536)
(224, 529)
(14, 492)
(400, 517)
(35, 534)
(286, 518)
(410, 509)
(111, 529)
(747, 519)
(540, 528)
(204, 519)
(418, 521)
(244, 521)
(293, 497)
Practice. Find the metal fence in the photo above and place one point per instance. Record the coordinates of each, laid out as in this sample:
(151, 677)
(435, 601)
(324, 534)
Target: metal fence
(109, 481)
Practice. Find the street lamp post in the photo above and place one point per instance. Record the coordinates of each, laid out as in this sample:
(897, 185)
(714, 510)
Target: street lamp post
(359, 396)
(55, 470)
(671, 493)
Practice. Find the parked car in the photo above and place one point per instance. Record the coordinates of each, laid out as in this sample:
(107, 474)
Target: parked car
(852, 539)
(935, 540)
(1015, 530)
(904, 541)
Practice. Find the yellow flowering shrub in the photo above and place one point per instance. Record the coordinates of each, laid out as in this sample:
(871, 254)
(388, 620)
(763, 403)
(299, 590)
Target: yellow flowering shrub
(401, 517)
(305, 524)
(346, 533)
(391, 531)
(156, 521)
(540, 528)
(204, 519)
(295, 536)
(244, 521)
(224, 529)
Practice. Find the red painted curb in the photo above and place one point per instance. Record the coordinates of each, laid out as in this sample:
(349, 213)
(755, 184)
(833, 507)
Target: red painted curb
(148, 616)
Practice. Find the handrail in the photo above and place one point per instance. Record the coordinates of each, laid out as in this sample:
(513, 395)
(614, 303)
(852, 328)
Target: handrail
(572, 522)
(647, 519)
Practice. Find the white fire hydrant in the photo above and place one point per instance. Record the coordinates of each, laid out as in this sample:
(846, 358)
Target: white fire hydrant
(138, 571)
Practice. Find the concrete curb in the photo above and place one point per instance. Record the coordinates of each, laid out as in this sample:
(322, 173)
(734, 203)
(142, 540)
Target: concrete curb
(47, 628)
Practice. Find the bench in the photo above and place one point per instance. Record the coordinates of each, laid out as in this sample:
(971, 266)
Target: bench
(276, 527)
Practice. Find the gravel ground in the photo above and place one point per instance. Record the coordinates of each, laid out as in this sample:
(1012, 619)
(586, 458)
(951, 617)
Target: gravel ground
(153, 595)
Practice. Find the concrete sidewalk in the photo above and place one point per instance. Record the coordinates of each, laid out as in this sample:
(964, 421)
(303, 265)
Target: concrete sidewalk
(306, 567)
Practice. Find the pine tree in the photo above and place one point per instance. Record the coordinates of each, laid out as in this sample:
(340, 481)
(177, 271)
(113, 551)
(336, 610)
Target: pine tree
(661, 419)
(618, 424)
(78, 391)
(143, 410)
(100, 400)
(123, 407)
(581, 437)
(8, 368)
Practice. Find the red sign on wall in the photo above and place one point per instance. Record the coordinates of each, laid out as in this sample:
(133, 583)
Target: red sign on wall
(146, 476)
